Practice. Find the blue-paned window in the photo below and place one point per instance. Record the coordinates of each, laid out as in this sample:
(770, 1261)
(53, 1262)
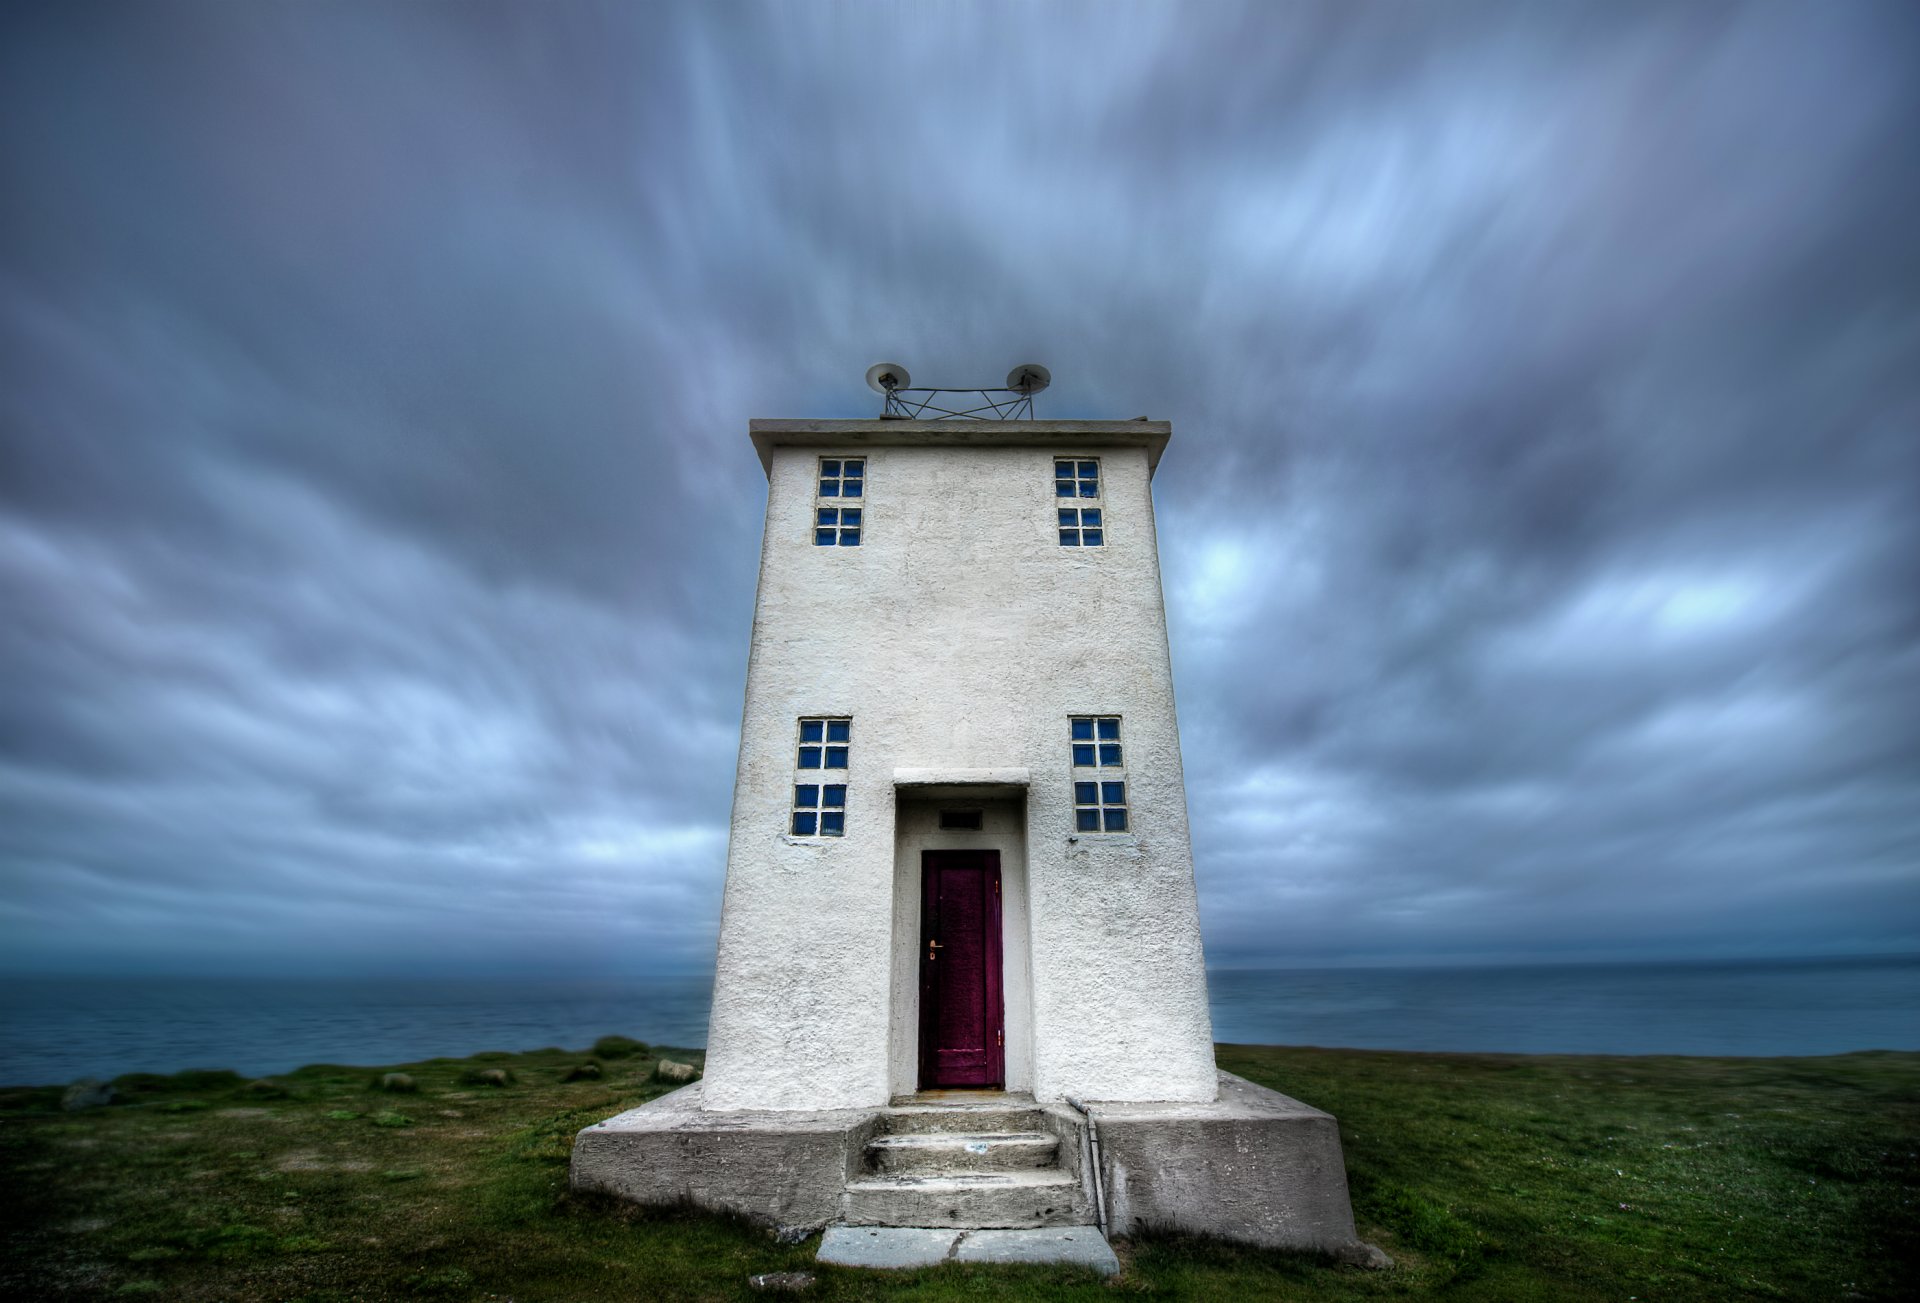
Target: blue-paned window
(836, 522)
(1100, 807)
(1096, 741)
(1081, 527)
(1077, 480)
(819, 809)
(1099, 797)
(837, 525)
(824, 743)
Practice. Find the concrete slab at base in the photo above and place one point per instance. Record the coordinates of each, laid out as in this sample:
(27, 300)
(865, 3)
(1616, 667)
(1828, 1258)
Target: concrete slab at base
(782, 1169)
(1253, 1166)
(1083, 1246)
(886, 1246)
(917, 1246)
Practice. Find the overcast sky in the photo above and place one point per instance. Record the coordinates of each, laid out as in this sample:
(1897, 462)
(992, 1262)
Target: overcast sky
(378, 526)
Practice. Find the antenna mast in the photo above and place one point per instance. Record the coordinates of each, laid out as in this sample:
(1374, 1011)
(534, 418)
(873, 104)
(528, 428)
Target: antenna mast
(1014, 402)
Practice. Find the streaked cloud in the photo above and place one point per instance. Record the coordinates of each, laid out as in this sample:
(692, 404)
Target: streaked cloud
(378, 528)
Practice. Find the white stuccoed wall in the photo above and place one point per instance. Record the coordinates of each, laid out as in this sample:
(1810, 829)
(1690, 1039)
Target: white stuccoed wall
(959, 636)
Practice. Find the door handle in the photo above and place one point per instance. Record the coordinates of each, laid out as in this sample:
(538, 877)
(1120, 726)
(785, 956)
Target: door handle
(933, 946)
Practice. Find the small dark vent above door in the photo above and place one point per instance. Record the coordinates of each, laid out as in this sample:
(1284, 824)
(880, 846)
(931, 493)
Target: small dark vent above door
(960, 820)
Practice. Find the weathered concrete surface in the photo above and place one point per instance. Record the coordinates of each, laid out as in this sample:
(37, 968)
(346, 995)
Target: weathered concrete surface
(1253, 1165)
(1082, 1246)
(857, 436)
(985, 1151)
(915, 1246)
(1030, 1197)
(886, 1246)
(779, 1168)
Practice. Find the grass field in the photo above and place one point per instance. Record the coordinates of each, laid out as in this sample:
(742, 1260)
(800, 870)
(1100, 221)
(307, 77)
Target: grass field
(1486, 1177)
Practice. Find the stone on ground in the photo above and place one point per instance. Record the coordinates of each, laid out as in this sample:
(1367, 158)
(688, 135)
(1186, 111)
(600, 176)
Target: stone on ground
(788, 1282)
(88, 1093)
(1081, 1245)
(885, 1246)
(917, 1246)
(668, 1070)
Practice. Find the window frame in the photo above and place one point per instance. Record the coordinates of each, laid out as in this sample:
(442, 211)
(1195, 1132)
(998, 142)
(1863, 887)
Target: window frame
(810, 786)
(1102, 803)
(827, 525)
(816, 804)
(1074, 532)
(834, 734)
(1097, 772)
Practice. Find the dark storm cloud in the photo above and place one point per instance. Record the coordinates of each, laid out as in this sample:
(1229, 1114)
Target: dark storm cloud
(378, 528)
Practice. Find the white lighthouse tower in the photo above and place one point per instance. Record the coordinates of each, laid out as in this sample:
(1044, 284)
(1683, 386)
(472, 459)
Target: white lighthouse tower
(960, 919)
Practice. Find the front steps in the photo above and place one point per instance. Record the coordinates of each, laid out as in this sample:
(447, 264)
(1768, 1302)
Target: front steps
(1250, 1165)
(994, 1162)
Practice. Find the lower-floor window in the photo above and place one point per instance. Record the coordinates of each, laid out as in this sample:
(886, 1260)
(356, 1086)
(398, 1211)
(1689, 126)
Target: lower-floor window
(1100, 807)
(819, 809)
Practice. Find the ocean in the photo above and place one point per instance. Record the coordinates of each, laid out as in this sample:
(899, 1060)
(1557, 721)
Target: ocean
(58, 1029)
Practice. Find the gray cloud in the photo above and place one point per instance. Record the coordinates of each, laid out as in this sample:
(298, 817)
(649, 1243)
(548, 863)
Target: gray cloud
(379, 529)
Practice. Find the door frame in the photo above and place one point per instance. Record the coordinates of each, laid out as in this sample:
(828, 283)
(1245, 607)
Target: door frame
(993, 978)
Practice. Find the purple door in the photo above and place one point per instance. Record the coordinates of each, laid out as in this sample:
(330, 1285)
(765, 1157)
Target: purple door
(960, 1026)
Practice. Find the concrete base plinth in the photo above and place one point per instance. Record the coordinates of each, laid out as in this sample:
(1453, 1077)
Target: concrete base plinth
(783, 1169)
(1252, 1165)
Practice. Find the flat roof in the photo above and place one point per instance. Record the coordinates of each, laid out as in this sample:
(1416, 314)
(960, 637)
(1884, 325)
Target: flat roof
(768, 435)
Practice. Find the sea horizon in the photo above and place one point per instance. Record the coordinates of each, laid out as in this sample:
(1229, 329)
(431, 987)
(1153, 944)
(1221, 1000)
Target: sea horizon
(58, 1027)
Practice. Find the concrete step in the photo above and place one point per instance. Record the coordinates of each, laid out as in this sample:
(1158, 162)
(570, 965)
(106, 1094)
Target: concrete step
(1042, 1197)
(930, 1153)
(975, 1118)
(917, 1246)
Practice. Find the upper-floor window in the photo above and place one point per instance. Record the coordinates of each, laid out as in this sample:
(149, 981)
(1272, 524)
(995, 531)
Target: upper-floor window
(844, 477)
(1096, 741)
(1078, 480)
(836, 522)
(824, 743)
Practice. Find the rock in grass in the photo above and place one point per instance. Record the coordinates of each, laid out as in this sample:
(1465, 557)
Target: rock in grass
(786, 1282)
(398, 1083)
(493, 1077)
(583, 1072)
(618, 1047)
(1362, 1254)
(266, 1088)
(87, 1093)
(668, 1070)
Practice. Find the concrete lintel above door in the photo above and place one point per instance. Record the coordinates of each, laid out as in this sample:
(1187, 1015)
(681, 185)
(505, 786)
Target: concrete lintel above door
(959, 784)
